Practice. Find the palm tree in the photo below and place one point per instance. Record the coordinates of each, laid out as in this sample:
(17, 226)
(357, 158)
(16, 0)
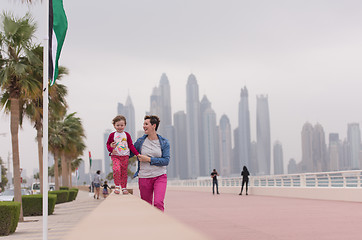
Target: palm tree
(56, 144)
(33, 106)
(34, 109)
(65, 141)
(15, 83)
(74, 146)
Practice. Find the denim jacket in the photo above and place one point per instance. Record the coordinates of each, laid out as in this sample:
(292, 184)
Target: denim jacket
(165, 149)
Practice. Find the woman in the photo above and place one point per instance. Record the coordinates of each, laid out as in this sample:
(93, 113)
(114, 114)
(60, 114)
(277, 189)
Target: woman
(245, 174)
(154, 157)
(97, 183)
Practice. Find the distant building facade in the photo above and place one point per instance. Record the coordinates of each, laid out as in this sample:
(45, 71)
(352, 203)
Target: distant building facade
(278, 158)
(263, 135)
(193, 126)
(243, 138)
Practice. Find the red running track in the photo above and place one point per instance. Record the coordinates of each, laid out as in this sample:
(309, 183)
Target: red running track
(228, 216)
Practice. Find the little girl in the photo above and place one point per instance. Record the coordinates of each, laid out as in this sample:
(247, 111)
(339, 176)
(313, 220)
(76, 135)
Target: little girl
(119, 145)
(105, 189)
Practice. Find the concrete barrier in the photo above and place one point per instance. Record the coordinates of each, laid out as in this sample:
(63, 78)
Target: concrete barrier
(129, 217)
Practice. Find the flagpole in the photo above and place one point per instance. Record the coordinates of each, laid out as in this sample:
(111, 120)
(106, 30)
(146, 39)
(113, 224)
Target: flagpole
(45, 122)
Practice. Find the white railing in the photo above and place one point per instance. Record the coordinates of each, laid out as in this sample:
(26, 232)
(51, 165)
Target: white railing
(340, 179)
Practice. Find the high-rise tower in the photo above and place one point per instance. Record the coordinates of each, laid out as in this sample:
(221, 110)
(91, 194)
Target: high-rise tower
(225, 150)
(307, 148)
(208, 141)
(263, 134)
(107, 158)
(334, 152)
(278, 158)
(243, 131)
(128, 111)
(165, 104)
(354, 145)
(319, 149)
(193, 126)
(180, 146)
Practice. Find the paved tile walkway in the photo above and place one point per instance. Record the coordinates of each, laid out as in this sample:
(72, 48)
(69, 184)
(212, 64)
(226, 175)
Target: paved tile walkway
(224, 216)
(229, 216)
(64, 218)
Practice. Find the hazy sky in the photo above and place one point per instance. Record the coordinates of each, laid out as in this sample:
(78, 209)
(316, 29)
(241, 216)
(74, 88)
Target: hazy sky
(306, 55)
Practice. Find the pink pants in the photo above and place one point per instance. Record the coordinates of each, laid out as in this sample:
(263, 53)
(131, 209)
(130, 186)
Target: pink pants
(153, 189)
(120, 166)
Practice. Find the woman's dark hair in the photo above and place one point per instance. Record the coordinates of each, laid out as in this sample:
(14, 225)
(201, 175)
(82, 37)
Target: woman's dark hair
(244, 168)
(153, 120)
(99, 172)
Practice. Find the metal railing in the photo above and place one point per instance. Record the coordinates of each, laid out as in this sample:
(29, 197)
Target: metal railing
(340, 179)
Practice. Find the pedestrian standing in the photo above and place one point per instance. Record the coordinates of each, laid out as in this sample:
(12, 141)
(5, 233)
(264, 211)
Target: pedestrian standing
(214, 175)
(245, 173)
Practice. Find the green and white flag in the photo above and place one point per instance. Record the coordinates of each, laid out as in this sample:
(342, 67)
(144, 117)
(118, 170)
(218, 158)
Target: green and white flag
(58, 26)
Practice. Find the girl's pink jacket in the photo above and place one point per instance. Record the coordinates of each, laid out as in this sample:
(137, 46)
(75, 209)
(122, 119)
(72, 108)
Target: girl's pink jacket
(129, 142)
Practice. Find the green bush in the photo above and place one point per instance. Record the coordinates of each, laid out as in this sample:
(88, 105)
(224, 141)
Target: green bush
(72, 195)
(9, 217)
(77, 190)
(63, 188)
(33, 204)
(62, 195)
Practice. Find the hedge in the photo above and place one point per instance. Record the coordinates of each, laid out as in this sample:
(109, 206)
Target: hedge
(77, 190)
(72, 195)
(33, 204)
(63, 188)
(9, 217)
(62, 195)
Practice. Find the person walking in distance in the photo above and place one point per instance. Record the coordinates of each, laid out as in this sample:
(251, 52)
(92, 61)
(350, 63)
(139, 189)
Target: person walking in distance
(245, 173)
(119, 145)
(97, 183)
(214, 175)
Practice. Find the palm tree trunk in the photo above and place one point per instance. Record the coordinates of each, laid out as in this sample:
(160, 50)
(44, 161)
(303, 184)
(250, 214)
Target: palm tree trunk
(65, 181)
(39, 137)
(70, 172)
(56, 171)
(14, 129)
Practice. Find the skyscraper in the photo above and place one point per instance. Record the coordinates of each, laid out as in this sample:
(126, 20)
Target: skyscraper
(307, 148)
(278, 158)
(235, 162)
(292, 166)
(160, 104)
(243, 131)
(314, 157)
(107, 158)
(354, 144)
(319, 149)
(180, 146)
(225, 145)
(193, 126)
(263, 134)
(155, 103)
(253, 168)
(209, 140)
(165, 103)
(128, 111)
(334, 152)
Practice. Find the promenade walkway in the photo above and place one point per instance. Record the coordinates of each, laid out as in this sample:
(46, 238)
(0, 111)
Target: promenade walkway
(230, 216)
(224, 216)
(65, 217)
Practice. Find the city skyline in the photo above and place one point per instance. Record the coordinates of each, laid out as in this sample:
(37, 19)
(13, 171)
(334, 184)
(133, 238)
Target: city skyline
(304, 55)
